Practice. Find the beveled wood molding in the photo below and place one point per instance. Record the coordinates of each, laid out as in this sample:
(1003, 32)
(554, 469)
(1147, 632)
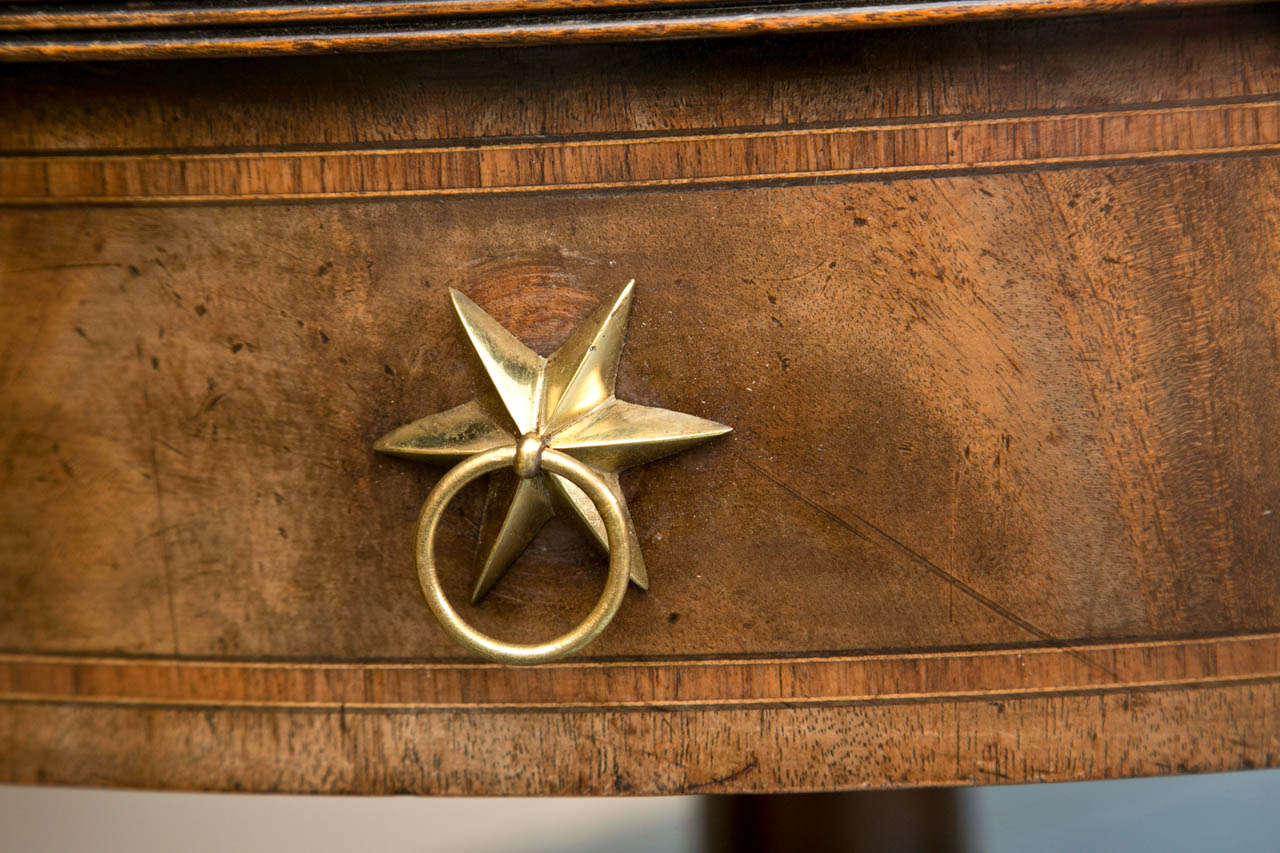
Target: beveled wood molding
(110, 16)
(659, 161)
(42, 31)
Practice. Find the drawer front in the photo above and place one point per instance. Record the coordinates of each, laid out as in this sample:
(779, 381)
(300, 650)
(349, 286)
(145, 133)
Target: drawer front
(999, 348)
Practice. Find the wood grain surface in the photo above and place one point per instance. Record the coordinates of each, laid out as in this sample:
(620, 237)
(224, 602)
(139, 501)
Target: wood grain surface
(33, 15)
(110, 31)
(994, 311)
(652, 161)
(711, 683)
(545, 94)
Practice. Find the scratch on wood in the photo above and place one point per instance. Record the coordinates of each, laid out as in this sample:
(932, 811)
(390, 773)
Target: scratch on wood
(930, 566)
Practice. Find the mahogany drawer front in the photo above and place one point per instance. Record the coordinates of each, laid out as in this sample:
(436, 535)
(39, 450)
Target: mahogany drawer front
(993, 310)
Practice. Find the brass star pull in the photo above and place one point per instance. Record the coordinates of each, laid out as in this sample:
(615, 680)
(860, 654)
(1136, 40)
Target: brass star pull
(560, 426)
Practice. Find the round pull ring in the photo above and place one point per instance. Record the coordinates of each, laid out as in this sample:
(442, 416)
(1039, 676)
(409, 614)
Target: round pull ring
(615, 588)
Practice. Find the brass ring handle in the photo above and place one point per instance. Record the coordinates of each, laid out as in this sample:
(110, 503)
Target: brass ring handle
(616, 528)
(560, 414)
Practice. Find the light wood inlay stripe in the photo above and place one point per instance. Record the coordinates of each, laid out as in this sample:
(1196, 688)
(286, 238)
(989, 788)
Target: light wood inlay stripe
(992, 143)
(621, 685)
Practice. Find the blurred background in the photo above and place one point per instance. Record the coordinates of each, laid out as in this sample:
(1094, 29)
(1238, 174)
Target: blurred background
(1235, 811)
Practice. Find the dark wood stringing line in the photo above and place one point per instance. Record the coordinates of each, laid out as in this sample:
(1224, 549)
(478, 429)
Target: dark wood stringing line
(625, 686)
(652, 707)
(658, 161)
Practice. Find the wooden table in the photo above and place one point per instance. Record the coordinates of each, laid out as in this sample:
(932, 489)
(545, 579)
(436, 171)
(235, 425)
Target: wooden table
(992, 306)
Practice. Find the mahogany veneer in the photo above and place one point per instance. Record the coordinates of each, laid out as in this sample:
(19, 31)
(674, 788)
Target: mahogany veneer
(993, 309)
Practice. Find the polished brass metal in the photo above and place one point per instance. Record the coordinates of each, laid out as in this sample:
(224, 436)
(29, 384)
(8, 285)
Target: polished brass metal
(559, 425)
(615, 588)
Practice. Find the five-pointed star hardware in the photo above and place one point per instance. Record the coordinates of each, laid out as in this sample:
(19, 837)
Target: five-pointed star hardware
(566, 400)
